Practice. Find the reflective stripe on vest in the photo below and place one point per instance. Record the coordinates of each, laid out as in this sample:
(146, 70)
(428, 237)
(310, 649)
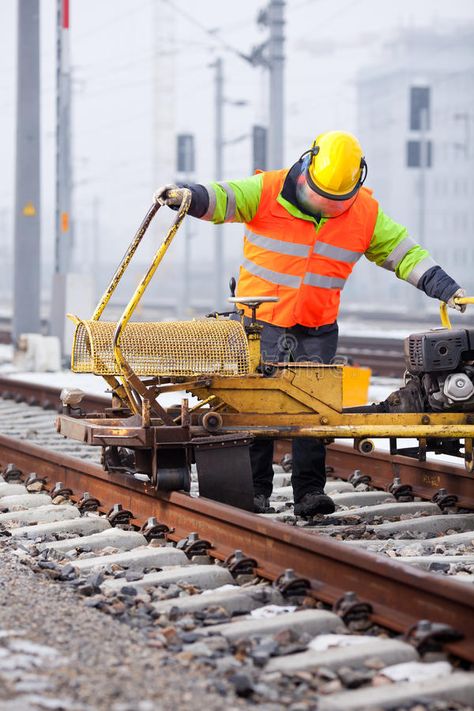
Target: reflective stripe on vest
(269, 275)
(278, 245)
(323, 282)
(339, 253)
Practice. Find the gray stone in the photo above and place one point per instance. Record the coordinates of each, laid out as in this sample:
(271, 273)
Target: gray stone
(425, 562)
(311, 621)
(25, 501)
(388, 650)
(431, 525)
(368, 513)
(234, 600)
(91, 524)
(12, 489)
(105, 537)
(41, 514)
(204, 576)
(135, 559)
(457, 687)
(362, 498)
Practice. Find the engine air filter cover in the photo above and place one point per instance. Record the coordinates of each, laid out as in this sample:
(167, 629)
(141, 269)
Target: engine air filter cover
(437, 350)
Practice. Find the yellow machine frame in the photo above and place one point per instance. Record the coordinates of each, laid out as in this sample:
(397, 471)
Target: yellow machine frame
(297, 400)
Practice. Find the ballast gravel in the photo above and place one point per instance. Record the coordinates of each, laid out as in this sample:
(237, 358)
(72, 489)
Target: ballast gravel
(56, 653)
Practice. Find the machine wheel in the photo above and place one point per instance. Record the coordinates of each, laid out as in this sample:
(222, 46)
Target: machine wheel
(211, 421)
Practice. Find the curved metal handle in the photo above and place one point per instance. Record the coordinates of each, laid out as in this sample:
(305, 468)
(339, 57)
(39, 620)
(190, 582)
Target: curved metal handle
(127, 258)
(443, 309)
(121, 361)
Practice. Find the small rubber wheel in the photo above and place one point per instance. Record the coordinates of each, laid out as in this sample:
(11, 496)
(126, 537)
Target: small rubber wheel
(212, 421)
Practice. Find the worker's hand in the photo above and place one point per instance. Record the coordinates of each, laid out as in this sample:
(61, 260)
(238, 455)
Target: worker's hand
(459, 294)
(169, 195)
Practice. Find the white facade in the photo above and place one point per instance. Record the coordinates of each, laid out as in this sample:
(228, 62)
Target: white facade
(443, 61)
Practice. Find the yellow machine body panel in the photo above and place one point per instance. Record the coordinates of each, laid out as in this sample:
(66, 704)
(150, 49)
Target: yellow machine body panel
(355, 386)
(298, 388)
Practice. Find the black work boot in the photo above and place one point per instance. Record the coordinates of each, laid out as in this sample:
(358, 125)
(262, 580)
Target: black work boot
(261, 503)
(314, 502)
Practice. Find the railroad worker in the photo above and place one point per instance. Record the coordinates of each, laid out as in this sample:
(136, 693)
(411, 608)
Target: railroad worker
(305, 229)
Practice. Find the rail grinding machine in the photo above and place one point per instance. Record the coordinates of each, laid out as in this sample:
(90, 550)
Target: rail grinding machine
(218, 361)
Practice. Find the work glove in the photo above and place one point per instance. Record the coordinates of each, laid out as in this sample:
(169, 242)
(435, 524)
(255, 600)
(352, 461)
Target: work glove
(162, 195)
(459, 294)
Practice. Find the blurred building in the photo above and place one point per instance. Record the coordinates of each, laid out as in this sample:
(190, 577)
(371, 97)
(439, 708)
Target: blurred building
(416, 125)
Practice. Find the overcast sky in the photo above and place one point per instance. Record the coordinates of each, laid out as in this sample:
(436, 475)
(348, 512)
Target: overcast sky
(115, 55)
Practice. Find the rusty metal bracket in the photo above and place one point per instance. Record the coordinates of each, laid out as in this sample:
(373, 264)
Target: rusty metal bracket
(153, 529)
(240, 564)
(193, 545)
(118, 516)
(444, 500)
(60, 490)
(429, 636)
(402, 492)
(87, 503)
(12, 473)
(351, 609)
(290, 585)
(357, 477)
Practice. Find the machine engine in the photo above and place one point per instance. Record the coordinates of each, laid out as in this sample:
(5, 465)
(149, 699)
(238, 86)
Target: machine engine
(439, 373)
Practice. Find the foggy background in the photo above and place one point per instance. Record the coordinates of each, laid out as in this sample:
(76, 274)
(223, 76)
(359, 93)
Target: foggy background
(142, 74)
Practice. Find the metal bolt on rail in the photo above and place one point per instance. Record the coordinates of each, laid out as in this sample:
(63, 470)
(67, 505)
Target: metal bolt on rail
(118, 516)
(60, 490)
(357, 477)
(351, 609)
(88, 503)
(402, 492)
(240, 564)
(444, 500)
(36, 483)
(193, 545)
(290, 585)
(11, 473)
(153, 529)
(429, 636)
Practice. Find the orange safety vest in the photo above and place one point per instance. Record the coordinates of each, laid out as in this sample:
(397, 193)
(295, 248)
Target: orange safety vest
(285, 256)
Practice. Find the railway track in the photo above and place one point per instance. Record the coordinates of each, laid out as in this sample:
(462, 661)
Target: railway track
(384, 356)
(393, 586)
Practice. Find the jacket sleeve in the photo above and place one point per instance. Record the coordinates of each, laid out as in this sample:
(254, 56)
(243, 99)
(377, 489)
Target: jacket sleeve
(229, 201)
(392, 248)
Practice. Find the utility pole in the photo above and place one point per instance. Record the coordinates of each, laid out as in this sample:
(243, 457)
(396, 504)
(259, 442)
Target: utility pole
(185, 166)
(218, 175)
(63, 142)
(276, 60)
(424, 164)
(26, 299)
(63, 218)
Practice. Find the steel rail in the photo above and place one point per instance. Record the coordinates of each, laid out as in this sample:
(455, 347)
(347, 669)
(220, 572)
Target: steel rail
(47, 395)
(426, 478)
(399, 594)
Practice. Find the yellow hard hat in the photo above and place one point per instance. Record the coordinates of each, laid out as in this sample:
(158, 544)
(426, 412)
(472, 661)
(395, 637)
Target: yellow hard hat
(337, 168)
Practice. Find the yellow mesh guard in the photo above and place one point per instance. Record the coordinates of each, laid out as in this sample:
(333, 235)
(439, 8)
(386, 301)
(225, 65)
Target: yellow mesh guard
(207, 346)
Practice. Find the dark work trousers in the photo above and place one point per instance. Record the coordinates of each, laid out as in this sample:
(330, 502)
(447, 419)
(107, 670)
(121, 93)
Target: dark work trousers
(297, 343)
